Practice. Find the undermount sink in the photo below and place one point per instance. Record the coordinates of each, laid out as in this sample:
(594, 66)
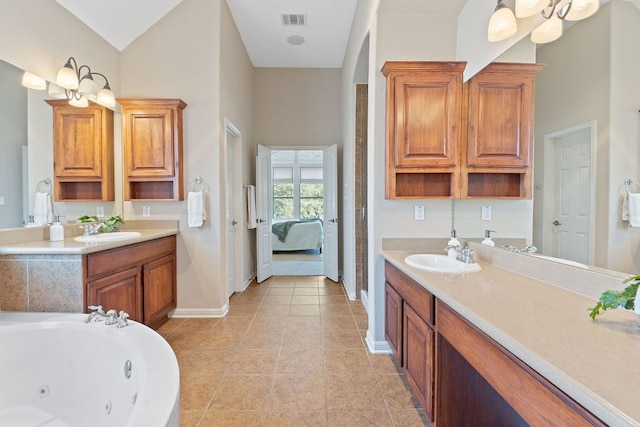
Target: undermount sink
(107, 237)
(441, 264)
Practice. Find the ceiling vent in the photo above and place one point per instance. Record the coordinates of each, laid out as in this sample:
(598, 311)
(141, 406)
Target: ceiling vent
(294, 19)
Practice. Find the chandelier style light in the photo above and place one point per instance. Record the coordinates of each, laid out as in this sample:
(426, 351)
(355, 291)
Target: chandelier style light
(503, 24)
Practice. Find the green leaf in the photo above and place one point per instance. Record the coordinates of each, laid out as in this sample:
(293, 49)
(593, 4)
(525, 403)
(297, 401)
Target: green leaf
(611, 299)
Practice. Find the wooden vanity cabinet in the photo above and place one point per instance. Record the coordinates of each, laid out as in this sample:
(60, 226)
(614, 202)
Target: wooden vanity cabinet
(139, 279)
(423, 128)
(82, 152)
(152, 146)
(499, 109)
(410, 322)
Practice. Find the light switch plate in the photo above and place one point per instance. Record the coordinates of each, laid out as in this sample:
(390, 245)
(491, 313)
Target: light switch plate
(146, 211)
(486, 213)
(100, 211)
(1, 200)
(419, 213)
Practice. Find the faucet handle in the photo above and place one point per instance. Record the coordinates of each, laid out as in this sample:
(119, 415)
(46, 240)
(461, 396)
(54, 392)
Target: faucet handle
(112, 317)
(122, 319)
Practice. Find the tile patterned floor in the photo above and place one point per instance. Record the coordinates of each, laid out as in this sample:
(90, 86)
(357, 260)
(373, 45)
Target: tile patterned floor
(289, 353)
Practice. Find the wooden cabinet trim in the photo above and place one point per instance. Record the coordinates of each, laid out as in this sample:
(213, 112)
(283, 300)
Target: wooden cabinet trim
(417, 360)
(393, 321)
(417, 297)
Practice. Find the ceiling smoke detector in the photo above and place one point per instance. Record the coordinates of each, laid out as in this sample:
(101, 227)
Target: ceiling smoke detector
(295, 40)
(294, 19)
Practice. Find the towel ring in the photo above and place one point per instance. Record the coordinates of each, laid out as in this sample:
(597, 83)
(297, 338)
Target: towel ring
(628, 182)
(47, 182)
(198, 181)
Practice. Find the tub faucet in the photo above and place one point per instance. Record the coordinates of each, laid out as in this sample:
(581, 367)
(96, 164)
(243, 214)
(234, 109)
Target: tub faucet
(111, 317)
(97, 313)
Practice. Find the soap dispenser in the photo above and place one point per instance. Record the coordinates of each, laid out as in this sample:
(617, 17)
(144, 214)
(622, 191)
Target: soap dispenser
(56, 231)
(453, 242)
(487, 238)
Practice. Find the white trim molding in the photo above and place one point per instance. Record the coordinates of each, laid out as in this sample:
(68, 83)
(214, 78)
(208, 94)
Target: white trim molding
(377, 347)
(185, 313)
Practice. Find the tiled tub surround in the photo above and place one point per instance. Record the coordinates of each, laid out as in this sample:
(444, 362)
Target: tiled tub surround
(537, 310)
(39, 275)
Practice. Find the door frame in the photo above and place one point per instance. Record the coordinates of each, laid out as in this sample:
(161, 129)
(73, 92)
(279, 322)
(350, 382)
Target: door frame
(232, 143)
(549, 183)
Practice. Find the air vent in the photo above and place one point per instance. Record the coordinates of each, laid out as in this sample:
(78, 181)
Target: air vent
(294, 19)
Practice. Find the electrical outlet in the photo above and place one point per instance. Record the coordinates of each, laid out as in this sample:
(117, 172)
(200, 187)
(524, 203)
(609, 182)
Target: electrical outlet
(419, 213)
(100, 211)
(1, 200)
(146, 211)
(486, 213)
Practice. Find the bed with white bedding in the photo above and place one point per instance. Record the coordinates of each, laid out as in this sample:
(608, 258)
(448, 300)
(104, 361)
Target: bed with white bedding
(297, 235)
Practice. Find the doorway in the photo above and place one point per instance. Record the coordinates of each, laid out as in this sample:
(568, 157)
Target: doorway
(232, 207)
(568, 203)
(297, 210)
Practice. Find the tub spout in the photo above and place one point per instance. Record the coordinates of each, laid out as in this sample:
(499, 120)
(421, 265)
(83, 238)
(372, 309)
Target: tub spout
(98, 312)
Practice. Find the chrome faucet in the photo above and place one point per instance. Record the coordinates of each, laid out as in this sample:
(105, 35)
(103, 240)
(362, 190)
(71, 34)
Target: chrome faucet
(462, 254)
(91, 229)
(111, 317)
(528, 249)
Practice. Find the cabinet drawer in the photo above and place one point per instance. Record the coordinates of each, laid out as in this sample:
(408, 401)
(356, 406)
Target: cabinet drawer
(113, 260)
(417, 297)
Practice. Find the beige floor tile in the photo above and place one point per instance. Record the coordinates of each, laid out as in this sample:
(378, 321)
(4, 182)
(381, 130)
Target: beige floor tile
(305, 299)
(333, 322)
(377, 418)
(273, 310)
(276, 299)
(336, 309)
(409, 418)
(361, 321)
(303, 323)
(243, 309)
(310, 338)
(347, 360)
(384, 364)
(306, 284)
(305, 291)
(296, 419)
(197, 325)
(349, 338)
(190, 418)
(348, 392)
(196, 391)
(207, 361)
(225, 339)
(330, 290)
(271, 340)
(242, 393)
(300, 361)
(333, 299)
(396, 392)
(254, 362)
(304, 310)
(169, 325)
(357, 308)
(214, 418)
(280, 291)
(298, 392)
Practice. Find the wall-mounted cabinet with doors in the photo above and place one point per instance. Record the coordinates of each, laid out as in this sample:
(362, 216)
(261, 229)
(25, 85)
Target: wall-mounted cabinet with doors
(152, 147)
(446, 139)
(82, 152)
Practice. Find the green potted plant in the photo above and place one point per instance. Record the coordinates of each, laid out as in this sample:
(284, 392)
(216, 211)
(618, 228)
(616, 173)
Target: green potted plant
(110, 225)
(613, 299)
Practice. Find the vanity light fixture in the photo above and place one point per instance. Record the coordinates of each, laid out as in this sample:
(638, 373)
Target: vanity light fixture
(81, 88)
(548, 31)
(32, 81)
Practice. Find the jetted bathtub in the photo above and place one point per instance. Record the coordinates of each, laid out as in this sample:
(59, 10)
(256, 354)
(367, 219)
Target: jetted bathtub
(57, 371)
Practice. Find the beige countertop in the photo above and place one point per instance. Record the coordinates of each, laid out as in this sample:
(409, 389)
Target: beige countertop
(70, 247)
(597, 363)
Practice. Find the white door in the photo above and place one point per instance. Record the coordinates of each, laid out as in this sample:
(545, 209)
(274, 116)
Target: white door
(568, 225)
(230, 219)
(264, 213)
(330, 208)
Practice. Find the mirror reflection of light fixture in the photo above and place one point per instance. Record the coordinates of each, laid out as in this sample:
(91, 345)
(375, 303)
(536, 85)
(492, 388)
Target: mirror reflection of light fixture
(80, 88)
(549, 30)
(32, 81)
(502, 24)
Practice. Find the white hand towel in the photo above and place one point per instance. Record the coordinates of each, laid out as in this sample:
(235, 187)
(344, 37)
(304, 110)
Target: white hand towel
(252, 220)
(625, 209)
(634, 209)
(41, 208)
(195, 209)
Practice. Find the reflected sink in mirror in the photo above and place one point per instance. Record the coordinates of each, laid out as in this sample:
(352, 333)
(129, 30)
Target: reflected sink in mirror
(107, 237)
(440, 263)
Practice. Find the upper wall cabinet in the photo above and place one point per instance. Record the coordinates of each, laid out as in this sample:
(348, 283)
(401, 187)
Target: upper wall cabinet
(82, 152)
(152, 149)
(499, 131)
(423, 128)
(449, 140)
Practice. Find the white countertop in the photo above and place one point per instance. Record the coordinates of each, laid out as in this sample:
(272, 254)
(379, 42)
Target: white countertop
(597, 363)
(70, 247)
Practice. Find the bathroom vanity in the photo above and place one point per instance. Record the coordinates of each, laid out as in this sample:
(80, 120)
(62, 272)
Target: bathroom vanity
(501, 346)
(137, 275)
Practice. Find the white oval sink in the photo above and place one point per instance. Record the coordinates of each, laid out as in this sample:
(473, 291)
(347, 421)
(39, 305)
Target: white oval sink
(441, 263)
(107, 237)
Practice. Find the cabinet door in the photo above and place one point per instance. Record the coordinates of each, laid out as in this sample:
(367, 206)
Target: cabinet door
(77, 142)
(159, 284)
(149, 142)
(393, 321)
(119, 291)
(418, 361)
(427, 115)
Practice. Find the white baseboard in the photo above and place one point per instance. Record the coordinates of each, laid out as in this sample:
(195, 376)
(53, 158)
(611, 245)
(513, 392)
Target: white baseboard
(364, 297)
(377, 347)
(200, 312)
